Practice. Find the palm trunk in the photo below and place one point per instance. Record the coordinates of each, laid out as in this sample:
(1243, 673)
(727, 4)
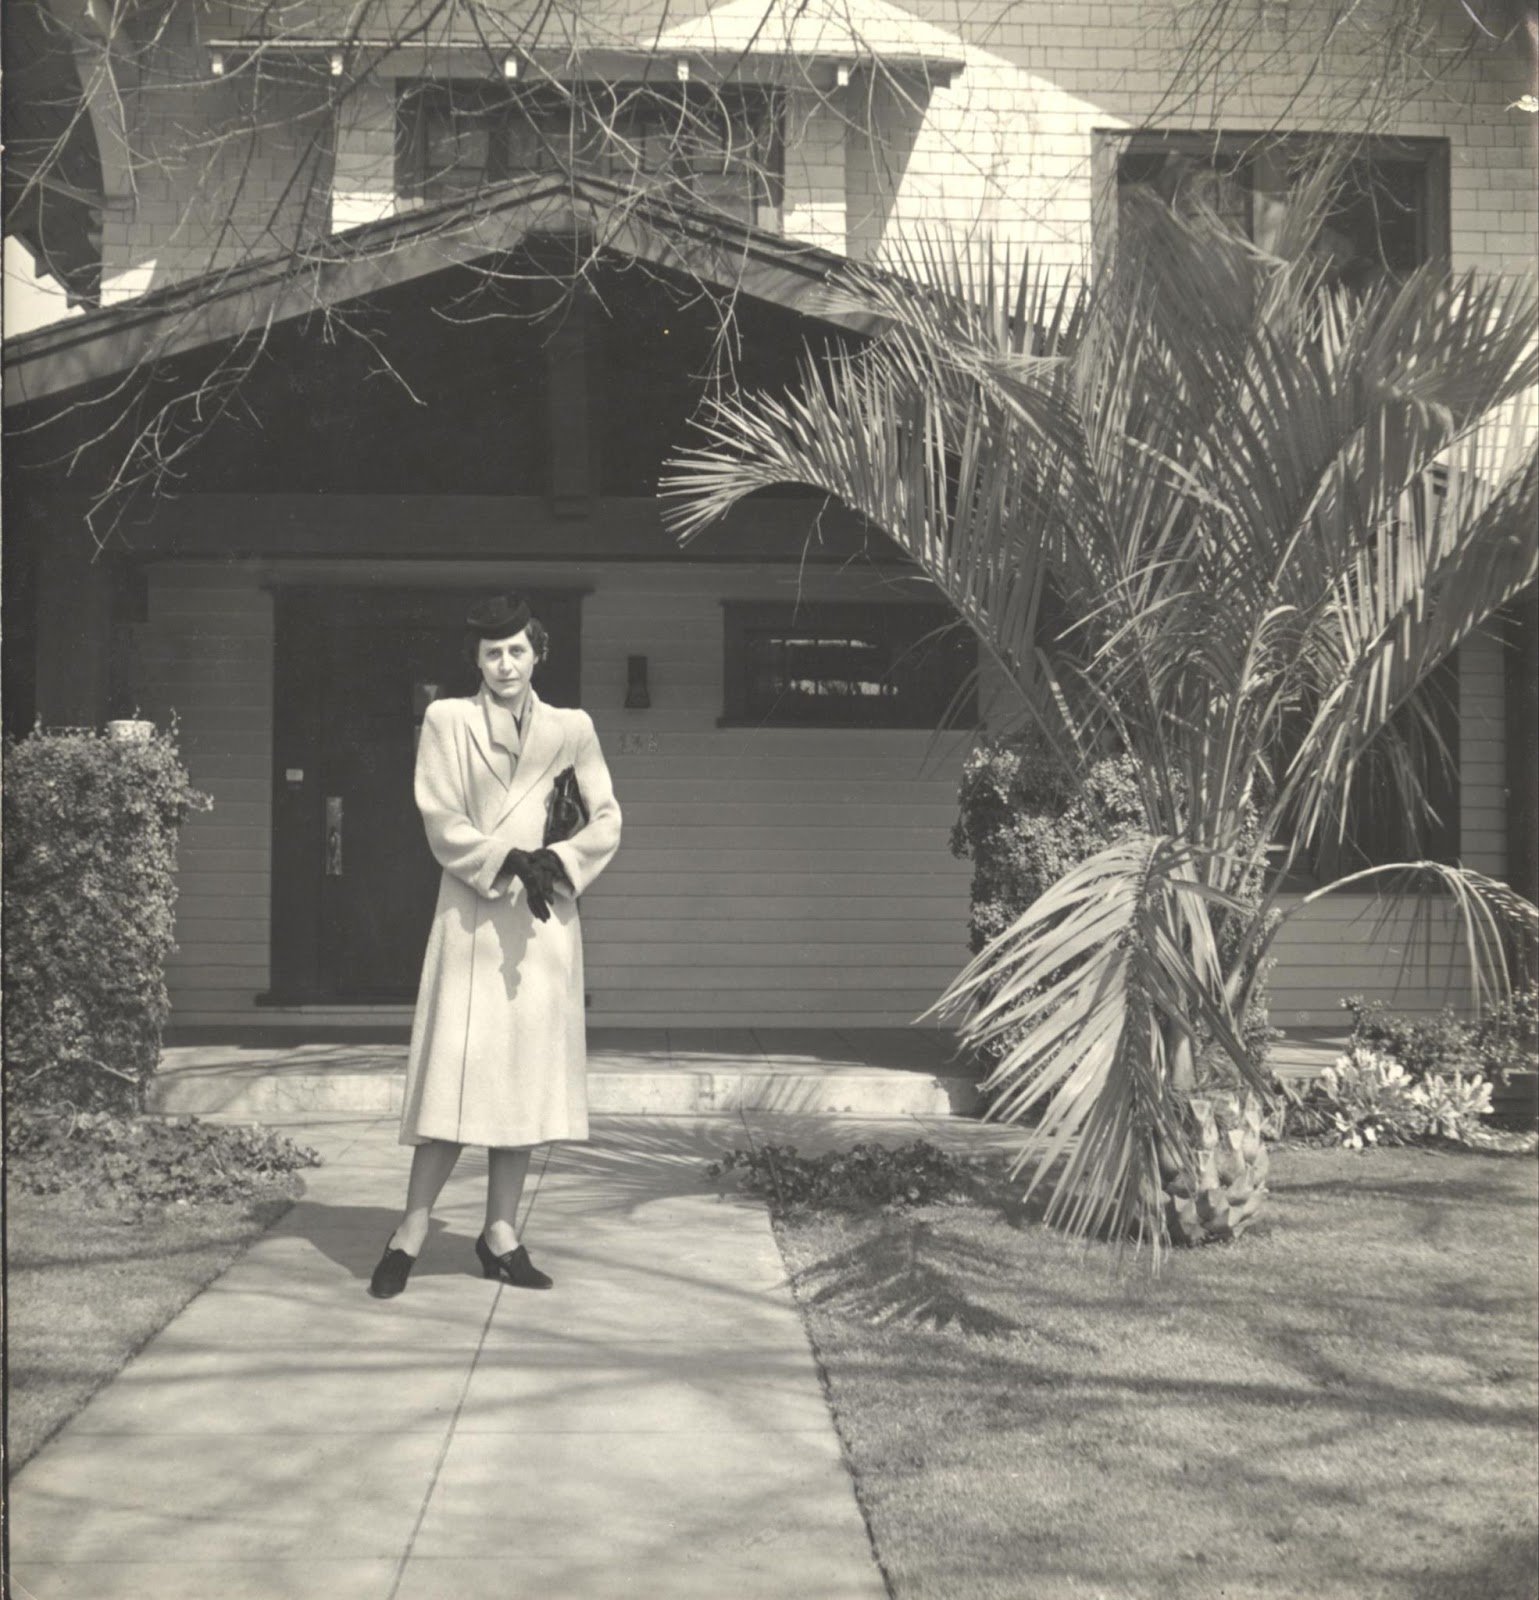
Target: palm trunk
(1214, 1189)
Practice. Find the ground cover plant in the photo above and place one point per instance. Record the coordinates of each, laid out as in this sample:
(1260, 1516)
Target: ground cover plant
(139, 1164)
(1367, 1097)
(1420, 1079)
(865, 1174)
(1340, 1407)
(112, 1225)
(1497, 1045)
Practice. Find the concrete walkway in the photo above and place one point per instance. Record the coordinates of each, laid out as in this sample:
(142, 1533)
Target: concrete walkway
(654, 1428)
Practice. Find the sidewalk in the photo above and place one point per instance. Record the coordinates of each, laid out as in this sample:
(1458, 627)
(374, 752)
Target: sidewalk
(653, 1428)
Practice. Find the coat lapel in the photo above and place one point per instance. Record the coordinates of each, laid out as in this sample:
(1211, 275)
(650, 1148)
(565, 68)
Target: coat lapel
(542, 744)
(481, 739)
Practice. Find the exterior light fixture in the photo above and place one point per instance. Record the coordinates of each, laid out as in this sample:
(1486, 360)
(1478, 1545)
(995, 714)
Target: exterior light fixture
(510, 66)
(637, 697)
(335, 62)
(842, 76)
(681, 70)
(216, 63)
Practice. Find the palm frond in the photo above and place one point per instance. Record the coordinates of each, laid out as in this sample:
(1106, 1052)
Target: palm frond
(1490, 917)
(1085, 992)
(1269, 508)
(932, 477)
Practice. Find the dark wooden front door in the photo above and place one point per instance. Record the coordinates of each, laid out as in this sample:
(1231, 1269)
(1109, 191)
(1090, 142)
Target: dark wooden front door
(353, 880)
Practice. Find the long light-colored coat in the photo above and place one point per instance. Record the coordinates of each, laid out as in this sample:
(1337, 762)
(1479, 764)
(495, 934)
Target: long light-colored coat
(498, 1048)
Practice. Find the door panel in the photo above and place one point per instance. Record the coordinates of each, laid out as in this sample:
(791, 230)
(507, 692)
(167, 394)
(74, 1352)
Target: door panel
(354, 881)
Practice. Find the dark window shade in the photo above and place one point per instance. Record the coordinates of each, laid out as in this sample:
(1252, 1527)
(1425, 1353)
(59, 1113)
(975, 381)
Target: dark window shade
(718, 148)
(1379, 830)
(847, 665)
(1389, 215)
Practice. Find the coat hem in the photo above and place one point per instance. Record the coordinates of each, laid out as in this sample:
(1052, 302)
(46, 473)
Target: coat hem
(414, 1139)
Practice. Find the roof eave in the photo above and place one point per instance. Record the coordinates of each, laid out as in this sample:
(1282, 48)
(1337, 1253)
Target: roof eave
(348, 266)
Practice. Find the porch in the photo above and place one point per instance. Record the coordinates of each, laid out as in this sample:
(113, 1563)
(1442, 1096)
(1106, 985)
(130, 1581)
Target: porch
(864, 1072)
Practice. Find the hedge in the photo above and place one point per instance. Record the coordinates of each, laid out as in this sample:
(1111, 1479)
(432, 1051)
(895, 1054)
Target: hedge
(90, 834)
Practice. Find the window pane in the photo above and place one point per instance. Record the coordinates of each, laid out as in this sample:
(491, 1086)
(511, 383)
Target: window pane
(1378, 223)
(1193, 181)
(717, 149)
(1384, 221)
(847, 666)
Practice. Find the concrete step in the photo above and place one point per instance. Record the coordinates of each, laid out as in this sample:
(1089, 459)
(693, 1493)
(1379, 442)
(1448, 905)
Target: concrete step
(885, 1078)
(877, 1073)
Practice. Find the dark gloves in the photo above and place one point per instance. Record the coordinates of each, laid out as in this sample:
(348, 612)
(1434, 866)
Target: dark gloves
(539, 871)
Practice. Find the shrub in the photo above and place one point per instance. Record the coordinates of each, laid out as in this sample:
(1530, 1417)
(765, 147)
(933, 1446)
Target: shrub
(914, 1174)
(1368, 1097)
(1498, 1045)
(1024, 821)
(90, 831)
(1507, 1040)
(137, 1163)
(1454, 1106)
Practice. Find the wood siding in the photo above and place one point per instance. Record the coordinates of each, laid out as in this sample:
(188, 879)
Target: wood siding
(768, 876)
(1341, 946)
(204, 658)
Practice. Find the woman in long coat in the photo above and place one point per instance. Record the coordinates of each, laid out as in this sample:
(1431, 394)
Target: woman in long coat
(498, 1048)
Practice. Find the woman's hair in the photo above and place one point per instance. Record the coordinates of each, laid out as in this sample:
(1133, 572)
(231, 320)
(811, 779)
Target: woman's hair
(538, 638)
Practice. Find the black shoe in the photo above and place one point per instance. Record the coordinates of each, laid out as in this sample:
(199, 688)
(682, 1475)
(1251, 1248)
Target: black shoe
(515, 1267)
(391, 1274)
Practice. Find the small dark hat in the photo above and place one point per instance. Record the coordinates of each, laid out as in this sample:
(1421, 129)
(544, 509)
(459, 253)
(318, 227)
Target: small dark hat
(500, 617)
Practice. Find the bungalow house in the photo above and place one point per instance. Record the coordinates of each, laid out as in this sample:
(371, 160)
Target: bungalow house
(331, 355)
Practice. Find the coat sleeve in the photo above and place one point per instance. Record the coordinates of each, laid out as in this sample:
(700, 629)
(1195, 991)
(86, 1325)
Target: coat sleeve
(457, 844)
(592, 847)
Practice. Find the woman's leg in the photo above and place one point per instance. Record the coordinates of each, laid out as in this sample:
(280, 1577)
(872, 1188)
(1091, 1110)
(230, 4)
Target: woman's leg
(506, 1170)
(431, 1164)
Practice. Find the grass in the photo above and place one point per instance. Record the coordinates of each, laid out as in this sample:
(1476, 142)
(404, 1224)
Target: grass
(1341, 1406)
(86, 1289)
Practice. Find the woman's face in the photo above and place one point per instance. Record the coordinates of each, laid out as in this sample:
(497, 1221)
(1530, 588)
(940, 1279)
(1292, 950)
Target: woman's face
(506, 664)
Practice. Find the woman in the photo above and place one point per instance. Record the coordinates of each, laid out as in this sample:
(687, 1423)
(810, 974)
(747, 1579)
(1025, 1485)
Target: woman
(498, 1049)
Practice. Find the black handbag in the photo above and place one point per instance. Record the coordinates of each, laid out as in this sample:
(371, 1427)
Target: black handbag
(566, 812)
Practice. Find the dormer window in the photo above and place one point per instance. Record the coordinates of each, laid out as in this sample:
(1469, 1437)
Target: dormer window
(717, 148)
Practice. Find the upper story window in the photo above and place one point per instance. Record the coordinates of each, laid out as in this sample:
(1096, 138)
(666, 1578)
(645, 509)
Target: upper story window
(841, 665)
(1389, 215)
(714, 147)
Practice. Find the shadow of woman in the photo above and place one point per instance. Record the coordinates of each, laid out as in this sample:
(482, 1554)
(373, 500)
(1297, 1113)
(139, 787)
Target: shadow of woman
(353, 1237)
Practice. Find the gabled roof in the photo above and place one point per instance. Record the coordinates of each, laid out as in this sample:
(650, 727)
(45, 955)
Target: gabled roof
(349, 266)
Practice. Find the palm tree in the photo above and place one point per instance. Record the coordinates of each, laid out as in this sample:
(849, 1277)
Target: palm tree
(1272, 508)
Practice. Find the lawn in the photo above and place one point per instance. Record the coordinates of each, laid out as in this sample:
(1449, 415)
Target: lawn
(87, 1288)
(1342, 1405)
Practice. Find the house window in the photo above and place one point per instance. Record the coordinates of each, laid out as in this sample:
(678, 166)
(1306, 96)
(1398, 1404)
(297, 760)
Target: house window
(898, 665)
(1389, 215)
(1378, 828)
(715, 148)
(1388, 218)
